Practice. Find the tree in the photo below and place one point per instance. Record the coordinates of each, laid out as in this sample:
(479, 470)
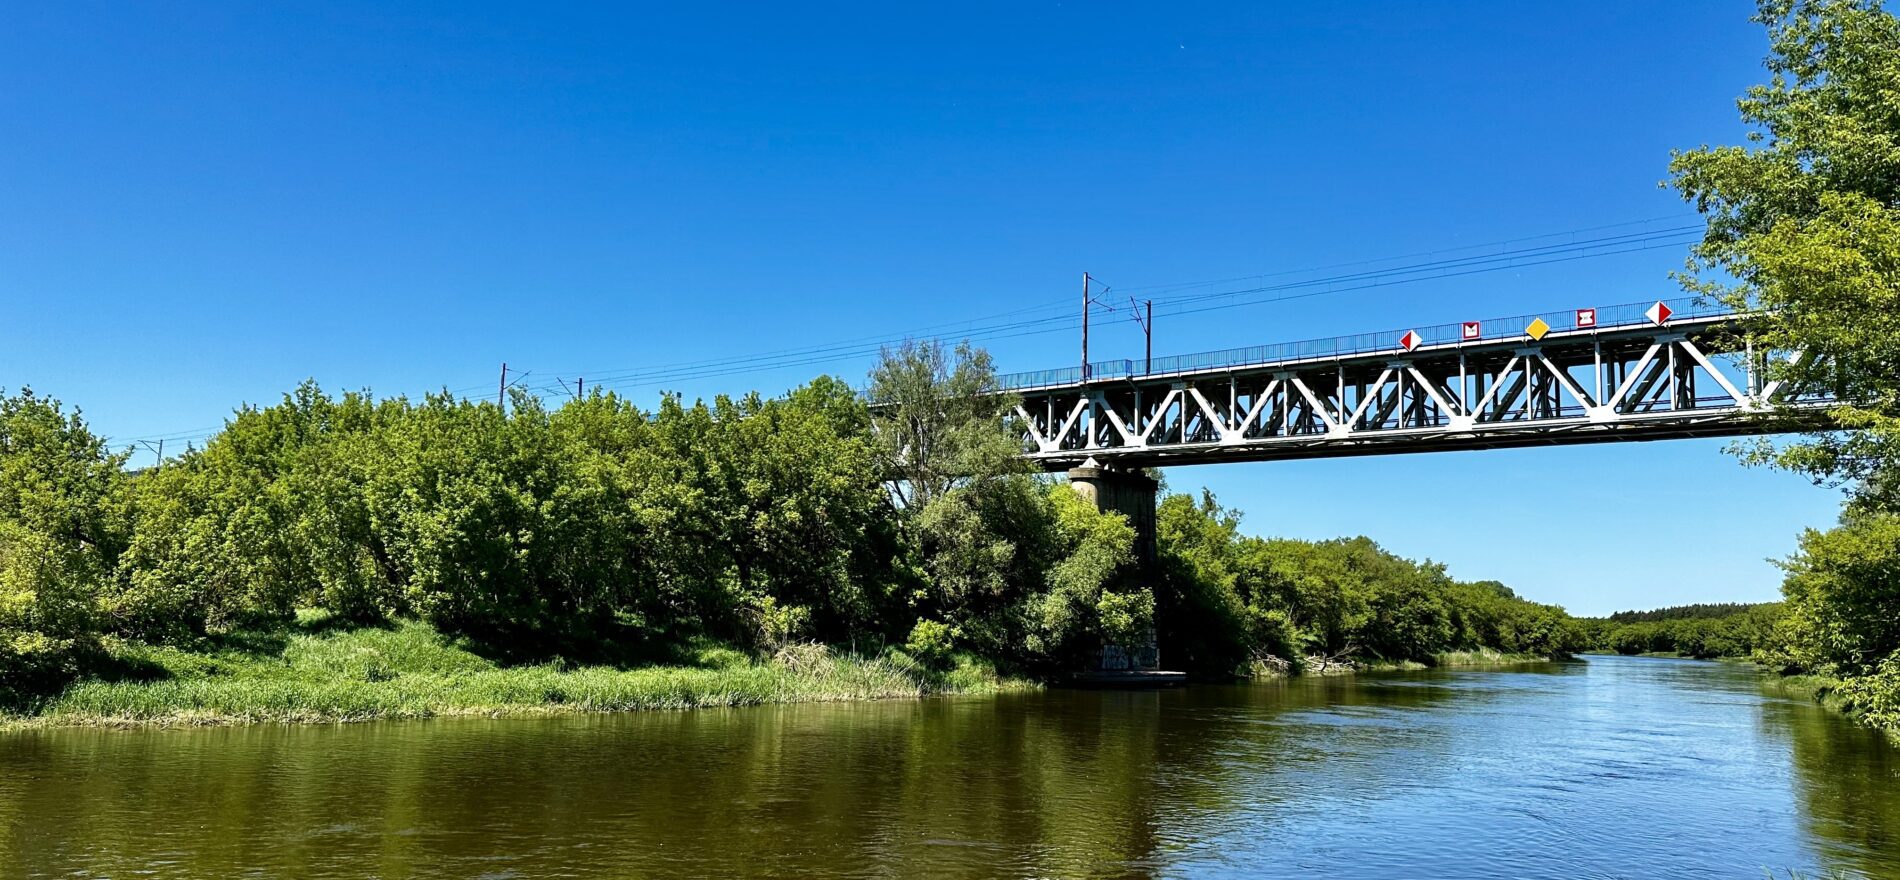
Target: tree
(978, 522)
(1842, 589)
(1202, 622)
(56, 477)
(796, 503)
(60, 536)
(271, 513)
(1805, 227)
(940, 421)
(1087, 600)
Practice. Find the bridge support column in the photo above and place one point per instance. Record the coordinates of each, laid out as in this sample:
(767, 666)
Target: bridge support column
(1129, 493)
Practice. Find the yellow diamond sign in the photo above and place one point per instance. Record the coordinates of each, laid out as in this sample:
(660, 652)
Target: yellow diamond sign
(1537, 329)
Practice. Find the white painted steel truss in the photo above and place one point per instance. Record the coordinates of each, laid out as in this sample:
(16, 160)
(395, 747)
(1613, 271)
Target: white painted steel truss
(1584, 386)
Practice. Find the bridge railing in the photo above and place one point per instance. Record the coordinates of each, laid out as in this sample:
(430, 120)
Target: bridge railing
(1490, 330)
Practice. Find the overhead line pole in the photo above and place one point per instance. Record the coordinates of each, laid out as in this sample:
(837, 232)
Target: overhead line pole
(502, 389)
(1148, 331)
(1147, 323)
(1085, 326)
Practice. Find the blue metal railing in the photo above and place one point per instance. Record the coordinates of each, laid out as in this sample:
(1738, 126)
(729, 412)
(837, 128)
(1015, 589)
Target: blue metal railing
(1490, 330)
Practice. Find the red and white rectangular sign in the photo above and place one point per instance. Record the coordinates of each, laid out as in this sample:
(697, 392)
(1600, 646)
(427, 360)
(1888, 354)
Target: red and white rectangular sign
(1586, 318)
(1470, 330)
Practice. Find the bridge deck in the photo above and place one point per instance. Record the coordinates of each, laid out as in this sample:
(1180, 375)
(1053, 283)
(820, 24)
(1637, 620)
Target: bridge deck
(1632, 372)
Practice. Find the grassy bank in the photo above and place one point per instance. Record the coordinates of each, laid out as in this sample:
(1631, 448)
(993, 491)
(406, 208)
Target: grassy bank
(1486, 657)
(315, 672)
(1452, 659)
(310, 674)
(1351, 665)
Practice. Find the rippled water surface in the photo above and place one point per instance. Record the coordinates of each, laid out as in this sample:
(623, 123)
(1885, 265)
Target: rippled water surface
(1614, 767)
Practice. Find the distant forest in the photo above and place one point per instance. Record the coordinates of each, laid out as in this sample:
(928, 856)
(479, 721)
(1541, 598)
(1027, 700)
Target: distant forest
(1706, 611)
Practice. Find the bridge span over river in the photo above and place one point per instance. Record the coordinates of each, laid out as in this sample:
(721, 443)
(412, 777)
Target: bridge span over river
(1644, 371)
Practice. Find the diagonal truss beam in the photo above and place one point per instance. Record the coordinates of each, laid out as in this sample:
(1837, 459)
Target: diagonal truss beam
(1632, 383)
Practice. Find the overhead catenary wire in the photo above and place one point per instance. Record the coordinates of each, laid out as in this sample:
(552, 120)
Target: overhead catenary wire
(1074, 324)
(1677, 219)
(1170, 300)
(1062, 309)
(1607, 246)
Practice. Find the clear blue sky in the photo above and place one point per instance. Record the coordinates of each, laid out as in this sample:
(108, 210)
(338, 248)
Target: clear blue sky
(203, 204)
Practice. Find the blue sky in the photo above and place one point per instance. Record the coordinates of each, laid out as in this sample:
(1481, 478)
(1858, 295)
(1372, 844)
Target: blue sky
(203, 204)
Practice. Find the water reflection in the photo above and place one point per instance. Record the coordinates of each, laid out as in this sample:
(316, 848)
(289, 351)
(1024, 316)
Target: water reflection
(1848, 781)
(1614, 767)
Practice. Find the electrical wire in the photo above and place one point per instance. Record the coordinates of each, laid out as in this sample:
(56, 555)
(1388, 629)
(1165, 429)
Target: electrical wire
(1171, 300)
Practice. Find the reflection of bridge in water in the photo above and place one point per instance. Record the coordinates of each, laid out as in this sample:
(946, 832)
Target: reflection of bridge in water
(1657, 371)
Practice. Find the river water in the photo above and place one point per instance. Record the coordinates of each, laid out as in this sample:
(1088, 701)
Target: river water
(1610, 767)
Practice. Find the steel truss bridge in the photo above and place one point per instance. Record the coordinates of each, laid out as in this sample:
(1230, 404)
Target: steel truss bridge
(1649, 371)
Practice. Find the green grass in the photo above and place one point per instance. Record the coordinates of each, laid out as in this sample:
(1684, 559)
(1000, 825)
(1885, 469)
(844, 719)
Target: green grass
(1485, 657)
(411, 671)
(1352, 665)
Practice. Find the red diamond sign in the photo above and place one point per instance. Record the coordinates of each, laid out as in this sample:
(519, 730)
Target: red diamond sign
(1586, 318)
(1658, 313)
(1411, 340)
(1470, 330)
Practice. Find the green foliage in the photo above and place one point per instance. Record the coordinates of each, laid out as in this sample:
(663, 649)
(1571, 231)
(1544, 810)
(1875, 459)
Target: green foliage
(1704, 631)
(1874, 697)
(781, 625)
(940, 422)
(272, 509)
(599, 532)
(531, 532)
(1229, 599)
(930, 642)
(1086, 601)
(48, 610)
(575, 532)
(1683, 612)
(981, 551)
(1842, 591)
(1021, 568)
(56, 477)
(61, 532)
(1805, 225)
(1201, 621)
(326, 670)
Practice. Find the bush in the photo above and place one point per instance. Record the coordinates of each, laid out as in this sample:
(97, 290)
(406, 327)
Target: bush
(1842, 589)
(1228, 599)
(1874, 697)
(931, 642)
(48, 611)
(781, 625)
(61, 531)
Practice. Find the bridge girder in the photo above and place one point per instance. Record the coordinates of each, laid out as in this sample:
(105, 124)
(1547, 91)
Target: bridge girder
(1693, 378)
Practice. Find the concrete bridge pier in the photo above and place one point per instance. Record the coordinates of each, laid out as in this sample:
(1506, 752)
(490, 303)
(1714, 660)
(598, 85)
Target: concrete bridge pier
(1132, 494)
(1129, 493)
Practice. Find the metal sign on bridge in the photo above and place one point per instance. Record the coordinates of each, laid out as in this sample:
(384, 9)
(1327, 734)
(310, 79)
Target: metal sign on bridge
(1647, 371)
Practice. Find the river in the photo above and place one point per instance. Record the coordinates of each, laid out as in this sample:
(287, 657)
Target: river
(1609, 767)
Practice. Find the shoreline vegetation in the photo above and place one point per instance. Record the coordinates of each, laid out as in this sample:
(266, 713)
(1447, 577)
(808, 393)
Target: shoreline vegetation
(313, 672)
(350, 557)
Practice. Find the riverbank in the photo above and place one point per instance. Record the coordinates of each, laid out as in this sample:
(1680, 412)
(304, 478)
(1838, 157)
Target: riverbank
(408, 671)
(1323, 666)
(314, 672)
(1873, 700)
